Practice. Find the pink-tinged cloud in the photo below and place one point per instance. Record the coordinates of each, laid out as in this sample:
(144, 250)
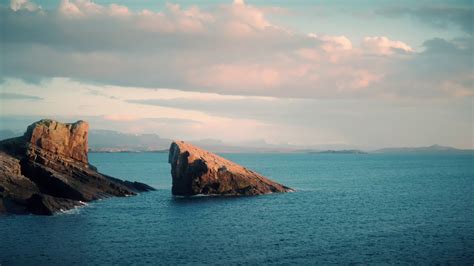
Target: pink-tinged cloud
(121, 117)
(68, 8)
(363, 79)
(227, 49)
(309, 54)
(118, 10)
(237, 76)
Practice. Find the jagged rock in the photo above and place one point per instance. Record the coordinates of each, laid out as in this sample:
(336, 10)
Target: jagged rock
(65, 140)
(15, 189)
(47, 170)
(196, 171)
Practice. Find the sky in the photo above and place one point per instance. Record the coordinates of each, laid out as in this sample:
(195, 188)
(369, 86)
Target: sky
(358, 74)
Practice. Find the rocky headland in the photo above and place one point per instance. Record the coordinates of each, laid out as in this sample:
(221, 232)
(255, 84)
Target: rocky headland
(196, 171)
(47, 170)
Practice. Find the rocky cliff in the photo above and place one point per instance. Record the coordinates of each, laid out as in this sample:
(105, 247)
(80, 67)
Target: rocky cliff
(65, 140)
(196, 171)
(47, 170)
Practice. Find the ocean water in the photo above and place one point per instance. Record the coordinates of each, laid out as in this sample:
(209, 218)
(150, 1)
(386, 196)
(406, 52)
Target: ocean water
(370, 208)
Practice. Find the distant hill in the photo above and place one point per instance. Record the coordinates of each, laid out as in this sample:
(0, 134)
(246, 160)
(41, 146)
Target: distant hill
(340, 152)
(112, 141)
(429, 149)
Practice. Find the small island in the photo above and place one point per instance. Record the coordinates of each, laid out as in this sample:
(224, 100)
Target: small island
(196, 171)
(47, 170)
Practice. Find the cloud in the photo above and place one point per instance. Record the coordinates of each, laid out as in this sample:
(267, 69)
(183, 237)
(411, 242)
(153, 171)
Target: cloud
(18, 96)
(335, 43)
(115, 113)
(384, 46)
(436, 16)
(227, 49)
(17, 5)
(233, 106)
(121, 117)
(429, 75)
(235, 76)
(118, 10)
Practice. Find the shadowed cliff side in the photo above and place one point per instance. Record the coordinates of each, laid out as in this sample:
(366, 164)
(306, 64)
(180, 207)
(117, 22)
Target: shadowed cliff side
(47, 170)
(196, 171)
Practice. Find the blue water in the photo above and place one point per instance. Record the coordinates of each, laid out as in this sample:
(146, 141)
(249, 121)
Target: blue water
(348, 209)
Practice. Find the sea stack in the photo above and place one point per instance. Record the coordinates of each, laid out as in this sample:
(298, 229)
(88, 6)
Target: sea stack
(47, 170)
(197, 171)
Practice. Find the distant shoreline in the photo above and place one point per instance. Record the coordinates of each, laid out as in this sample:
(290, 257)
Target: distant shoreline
(128, 151)
(327, 152)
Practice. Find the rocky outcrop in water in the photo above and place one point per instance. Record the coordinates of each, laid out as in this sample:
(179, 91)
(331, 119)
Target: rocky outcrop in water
(47, 170)
(196, 171)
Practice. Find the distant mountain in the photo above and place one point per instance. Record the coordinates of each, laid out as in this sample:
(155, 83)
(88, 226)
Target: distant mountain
(429, 149)
(340, 152)
(112, 141)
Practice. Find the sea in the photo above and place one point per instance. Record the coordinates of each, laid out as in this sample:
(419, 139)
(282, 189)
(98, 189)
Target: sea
(347, 209)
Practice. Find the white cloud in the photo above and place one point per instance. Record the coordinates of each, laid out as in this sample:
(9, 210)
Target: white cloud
(335, 43)
(384, 46)
(16, 5)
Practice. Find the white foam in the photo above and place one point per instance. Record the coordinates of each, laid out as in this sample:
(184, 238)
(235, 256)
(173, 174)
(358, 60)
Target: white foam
(75, 210)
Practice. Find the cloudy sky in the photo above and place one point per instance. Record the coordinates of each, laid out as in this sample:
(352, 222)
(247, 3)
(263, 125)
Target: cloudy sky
(364, 74)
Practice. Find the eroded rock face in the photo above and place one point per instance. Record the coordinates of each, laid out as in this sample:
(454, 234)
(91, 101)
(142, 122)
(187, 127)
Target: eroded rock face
(196, 171)
(65, 140)
(47, 170)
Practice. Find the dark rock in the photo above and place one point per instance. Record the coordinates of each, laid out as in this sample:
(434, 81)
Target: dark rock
(43, 204)
(196, 171)
(47, 170)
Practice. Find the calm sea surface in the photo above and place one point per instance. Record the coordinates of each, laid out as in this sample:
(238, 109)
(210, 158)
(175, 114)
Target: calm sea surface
(348, 209)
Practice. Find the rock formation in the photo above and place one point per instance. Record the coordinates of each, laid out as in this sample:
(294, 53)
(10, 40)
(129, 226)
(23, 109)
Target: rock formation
(196, 171)
(47, 170)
